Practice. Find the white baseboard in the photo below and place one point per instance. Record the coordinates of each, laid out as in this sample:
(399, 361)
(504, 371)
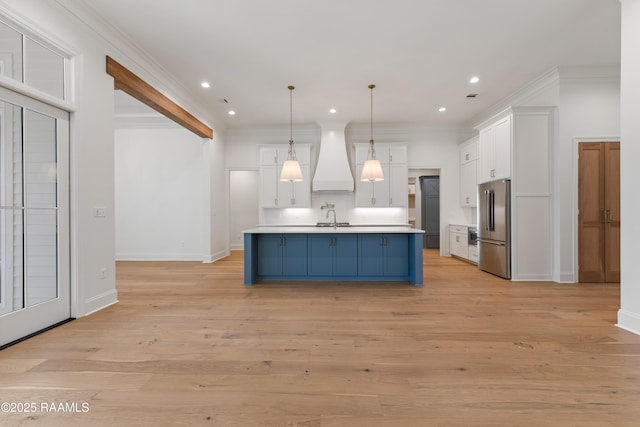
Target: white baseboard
(99, 302)
(150, 256)
(567, 278)
(532, 278)
(629, 321)
(215, 257)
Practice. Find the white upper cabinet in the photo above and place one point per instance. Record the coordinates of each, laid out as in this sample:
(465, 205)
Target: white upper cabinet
(392, 192)
(469, 151)
(282, 194)
(494, 160)
(468, 173)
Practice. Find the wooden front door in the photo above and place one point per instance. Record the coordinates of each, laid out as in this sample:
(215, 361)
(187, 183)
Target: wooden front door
(599, 212)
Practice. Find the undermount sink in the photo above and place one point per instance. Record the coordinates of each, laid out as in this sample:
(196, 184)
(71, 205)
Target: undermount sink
(330, 224)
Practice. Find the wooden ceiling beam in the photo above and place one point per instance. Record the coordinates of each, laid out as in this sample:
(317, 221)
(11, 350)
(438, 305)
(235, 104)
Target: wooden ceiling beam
(128, 82)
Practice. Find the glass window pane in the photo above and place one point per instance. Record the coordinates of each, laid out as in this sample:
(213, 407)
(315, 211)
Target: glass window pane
(11, 271)
(10, 52)
(11, 239)
(39, 160)
(10, 155)
(40, 199)
(41, 255)
(44, 69)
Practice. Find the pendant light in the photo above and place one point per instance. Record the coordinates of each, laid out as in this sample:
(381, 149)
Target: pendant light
(291, 168)
(372, 169)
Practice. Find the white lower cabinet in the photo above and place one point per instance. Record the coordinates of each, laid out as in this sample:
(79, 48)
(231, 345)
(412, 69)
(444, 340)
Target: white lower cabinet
(459, 246)
(459, 241)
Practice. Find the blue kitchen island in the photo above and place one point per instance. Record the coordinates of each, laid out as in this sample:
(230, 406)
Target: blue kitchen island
(357, 253)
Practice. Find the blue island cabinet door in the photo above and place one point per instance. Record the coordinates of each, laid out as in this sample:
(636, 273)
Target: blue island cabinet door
(333, 255)
(345, 255)
(269, 255)
(320, 254)
(294, 255)
(370, 251)
(396, 256)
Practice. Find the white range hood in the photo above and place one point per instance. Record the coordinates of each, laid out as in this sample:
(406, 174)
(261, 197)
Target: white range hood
(333, 172)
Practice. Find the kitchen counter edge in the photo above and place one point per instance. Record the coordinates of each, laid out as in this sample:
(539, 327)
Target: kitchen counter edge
(400, 229)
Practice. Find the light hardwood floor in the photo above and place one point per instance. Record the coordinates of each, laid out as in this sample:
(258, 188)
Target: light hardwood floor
(189, 345)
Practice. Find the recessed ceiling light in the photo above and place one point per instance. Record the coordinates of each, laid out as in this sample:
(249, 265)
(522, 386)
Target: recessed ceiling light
(442, 109)
(232, 113)
(332, 111)
(205, 85)
(474, 80)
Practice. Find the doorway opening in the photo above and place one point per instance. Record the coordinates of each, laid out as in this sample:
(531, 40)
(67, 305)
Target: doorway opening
(243, 205)
(429, 219)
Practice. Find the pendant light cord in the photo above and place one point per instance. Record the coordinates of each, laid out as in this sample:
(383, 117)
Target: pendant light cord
(291, 155)
(372, 150)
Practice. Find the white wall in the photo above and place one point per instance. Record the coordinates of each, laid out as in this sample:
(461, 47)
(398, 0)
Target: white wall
(159, 184)
(216, 228)
(629, 313)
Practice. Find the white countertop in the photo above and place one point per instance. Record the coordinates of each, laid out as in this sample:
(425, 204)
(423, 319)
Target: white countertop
(355, 229)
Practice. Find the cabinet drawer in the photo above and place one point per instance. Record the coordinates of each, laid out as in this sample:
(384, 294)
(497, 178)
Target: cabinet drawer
(458, 229)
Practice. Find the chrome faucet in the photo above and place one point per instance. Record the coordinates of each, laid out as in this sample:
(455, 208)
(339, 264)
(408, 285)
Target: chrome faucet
(331, 208)
(335, 223)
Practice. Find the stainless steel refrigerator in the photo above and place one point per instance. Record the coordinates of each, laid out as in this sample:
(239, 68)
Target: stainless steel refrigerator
(494, 227)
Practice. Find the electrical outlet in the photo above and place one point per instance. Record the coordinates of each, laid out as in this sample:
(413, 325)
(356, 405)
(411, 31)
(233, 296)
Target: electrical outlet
(103, 273)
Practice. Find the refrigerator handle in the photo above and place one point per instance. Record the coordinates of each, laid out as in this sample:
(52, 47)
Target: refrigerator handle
(488, 210)
(491, 214)
(493, 211)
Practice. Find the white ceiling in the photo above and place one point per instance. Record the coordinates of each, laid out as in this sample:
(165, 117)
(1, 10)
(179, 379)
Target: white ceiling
(419, 53)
